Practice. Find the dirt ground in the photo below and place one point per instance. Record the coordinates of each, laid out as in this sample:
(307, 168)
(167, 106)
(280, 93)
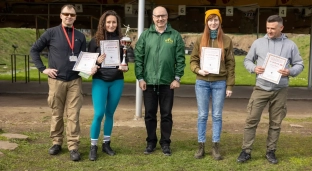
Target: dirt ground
(20, 113)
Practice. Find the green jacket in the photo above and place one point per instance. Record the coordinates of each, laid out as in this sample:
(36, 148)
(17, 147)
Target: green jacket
(159, 58)
(227, 66)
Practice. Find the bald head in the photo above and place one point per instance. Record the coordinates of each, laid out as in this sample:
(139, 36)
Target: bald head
(160, 9)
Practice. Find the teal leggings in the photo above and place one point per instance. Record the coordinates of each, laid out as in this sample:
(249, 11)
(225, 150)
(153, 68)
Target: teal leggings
(105, 98)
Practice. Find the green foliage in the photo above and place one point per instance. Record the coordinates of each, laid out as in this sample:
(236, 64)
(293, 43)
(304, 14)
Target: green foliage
(24, 38)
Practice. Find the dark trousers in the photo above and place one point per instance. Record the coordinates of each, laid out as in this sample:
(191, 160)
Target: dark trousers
(164, 95)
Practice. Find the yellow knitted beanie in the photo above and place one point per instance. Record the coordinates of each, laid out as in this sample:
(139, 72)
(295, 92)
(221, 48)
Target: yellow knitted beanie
(213, 11)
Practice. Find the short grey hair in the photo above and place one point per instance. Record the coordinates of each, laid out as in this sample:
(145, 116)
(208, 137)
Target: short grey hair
(275, 18)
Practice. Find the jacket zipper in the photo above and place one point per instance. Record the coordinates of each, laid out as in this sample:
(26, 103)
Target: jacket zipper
(157, 61)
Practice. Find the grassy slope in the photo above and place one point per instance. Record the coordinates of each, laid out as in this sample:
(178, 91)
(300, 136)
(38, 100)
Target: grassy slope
(303, 43)
(24, 38)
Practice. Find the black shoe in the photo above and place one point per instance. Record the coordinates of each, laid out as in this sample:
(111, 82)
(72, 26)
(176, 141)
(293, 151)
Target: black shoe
(166, 150)
(243, 157)
(107, 149)
(74, 155)
(271, 157)
(149, 149)
(93, 153)
(55, 149)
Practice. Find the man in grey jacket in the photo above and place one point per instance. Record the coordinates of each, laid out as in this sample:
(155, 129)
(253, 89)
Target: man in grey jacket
(274, 42)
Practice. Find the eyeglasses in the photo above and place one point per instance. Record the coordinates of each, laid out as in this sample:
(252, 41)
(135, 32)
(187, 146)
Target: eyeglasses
(162, 16)
(67, 14)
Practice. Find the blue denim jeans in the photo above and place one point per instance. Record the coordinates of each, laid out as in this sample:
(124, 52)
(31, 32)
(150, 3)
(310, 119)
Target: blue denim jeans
(204, 90)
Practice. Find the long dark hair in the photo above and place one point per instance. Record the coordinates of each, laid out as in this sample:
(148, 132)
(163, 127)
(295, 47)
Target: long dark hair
(101, 33)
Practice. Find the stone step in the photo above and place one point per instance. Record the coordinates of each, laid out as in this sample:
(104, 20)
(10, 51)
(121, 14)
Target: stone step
(14, 136)
(6, 145)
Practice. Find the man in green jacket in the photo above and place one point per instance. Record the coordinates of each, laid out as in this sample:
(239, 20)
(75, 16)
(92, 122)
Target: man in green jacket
(159, 66)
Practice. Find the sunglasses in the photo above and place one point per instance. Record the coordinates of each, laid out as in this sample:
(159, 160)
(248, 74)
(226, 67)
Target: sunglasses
(67, 14)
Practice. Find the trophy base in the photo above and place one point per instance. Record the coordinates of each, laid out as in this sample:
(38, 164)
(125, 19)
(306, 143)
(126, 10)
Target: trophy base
(123, 67)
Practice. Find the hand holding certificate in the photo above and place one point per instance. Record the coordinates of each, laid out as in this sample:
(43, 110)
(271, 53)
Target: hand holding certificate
(210, 59)
(111, 49)
(87, 75)
(272, 64)
(85, 62)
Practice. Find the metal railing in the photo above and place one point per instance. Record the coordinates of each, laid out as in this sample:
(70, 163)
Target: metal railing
(26, 66)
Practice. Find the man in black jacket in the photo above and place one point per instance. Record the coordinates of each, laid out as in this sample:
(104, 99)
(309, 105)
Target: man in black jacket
(64, 44)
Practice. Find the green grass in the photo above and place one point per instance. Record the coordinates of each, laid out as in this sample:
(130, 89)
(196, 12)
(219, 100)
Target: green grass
(303, 43)
(26, 37)
(3, 138)
(308, 119)
(242, 76)
(129, 143)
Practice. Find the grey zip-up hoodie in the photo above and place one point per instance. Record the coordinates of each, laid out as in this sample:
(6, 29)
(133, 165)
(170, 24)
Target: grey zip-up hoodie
(280, 46)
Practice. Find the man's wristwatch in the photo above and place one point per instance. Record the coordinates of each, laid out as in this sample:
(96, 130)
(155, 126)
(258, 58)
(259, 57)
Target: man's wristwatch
(177, 79)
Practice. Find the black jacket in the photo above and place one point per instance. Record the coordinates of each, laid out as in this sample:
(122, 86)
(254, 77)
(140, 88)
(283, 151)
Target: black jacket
(59, 51)
(107, 74)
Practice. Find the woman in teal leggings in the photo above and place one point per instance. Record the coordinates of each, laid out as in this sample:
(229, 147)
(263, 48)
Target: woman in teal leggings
(107, 84)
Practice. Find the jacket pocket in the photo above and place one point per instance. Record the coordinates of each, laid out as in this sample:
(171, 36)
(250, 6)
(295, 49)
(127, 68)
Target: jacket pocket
(223, 70)
(249, 106)
(283, 111)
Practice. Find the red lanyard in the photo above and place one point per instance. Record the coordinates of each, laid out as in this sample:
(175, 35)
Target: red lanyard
(71, 45)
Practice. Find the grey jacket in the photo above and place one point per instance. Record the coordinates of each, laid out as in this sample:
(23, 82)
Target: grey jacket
(281, 46)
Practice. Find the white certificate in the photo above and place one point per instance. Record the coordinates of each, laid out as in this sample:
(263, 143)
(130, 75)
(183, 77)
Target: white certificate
(85, 62)
(112, 52)
(271, 65)
(210, 59)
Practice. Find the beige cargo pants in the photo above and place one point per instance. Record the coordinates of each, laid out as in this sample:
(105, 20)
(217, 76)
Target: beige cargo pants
(65, 98)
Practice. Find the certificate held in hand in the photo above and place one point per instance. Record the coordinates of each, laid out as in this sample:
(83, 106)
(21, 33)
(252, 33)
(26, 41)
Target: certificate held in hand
(112, 52)
(272, 64)
(210, 59)
(85, 62)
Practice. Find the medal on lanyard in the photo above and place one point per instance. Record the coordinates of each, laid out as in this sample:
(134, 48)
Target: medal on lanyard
(72, 58)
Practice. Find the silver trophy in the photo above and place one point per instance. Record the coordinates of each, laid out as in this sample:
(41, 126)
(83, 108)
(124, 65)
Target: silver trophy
(125, 42)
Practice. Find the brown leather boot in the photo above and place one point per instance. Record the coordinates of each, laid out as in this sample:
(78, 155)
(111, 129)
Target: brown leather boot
(201, 151)
(216, 151)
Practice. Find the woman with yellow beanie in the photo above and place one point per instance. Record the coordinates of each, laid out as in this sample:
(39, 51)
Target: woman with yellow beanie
(212, 86)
